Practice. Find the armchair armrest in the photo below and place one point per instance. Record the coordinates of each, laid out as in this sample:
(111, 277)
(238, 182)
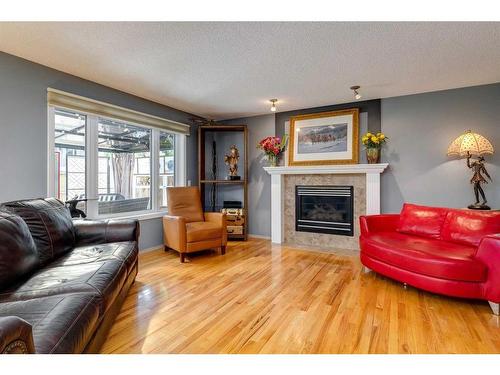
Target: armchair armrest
(488, 253)
(219, 218)
(90, 232)
(15, 336)
(378, 223)
(174, 232)
(215, 217)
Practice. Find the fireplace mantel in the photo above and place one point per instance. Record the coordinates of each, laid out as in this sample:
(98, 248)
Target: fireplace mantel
(329, 169)
(372, 172)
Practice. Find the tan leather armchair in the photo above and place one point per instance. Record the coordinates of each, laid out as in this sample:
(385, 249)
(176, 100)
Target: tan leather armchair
(187, 228)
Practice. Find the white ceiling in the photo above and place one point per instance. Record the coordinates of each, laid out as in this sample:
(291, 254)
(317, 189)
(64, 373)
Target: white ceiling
(226, 70)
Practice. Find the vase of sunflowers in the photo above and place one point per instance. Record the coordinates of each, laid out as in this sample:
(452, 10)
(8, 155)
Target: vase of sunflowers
(373, 144)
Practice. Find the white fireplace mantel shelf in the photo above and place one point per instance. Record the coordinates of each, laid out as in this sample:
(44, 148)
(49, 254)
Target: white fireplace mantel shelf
(330, 169)
(372, 172)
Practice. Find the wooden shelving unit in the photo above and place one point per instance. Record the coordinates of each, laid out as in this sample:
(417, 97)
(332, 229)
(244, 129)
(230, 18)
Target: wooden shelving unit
(206, 180)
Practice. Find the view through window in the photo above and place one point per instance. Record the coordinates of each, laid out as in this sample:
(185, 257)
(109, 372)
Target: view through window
(124, 175)
(69, 142)
(166, 165)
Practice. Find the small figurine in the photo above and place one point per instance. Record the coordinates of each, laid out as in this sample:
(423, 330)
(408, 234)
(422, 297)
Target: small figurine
(231, 159)
(477, 179)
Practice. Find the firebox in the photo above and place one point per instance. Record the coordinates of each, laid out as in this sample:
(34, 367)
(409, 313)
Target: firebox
(324, 209)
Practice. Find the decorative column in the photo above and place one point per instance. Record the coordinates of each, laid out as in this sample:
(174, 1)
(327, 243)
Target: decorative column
(277, 187)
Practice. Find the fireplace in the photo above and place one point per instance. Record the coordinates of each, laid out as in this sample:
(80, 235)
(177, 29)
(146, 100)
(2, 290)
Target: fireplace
(324, 209)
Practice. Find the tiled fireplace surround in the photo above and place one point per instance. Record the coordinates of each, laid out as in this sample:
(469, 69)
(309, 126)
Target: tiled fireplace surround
(365, 178)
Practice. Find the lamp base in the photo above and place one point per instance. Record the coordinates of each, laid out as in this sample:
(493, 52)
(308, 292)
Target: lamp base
(479, 206)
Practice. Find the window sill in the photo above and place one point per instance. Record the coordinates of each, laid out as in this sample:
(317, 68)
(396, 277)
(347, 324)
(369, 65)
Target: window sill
(143, 215)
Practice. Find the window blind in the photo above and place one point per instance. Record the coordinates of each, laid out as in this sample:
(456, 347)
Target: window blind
(67, 100)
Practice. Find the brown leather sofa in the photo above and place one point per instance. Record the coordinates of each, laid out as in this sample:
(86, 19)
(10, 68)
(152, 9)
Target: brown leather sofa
(187, 228)
(62, 282)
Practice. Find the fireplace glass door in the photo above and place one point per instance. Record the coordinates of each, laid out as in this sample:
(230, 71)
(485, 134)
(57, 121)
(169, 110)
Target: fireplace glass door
(324, 209)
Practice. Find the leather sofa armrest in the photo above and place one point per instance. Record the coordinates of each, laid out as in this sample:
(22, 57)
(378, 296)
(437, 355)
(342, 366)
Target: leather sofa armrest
(488, 253)
(15, 336)
(89, 232)
(378, 223)
(174, 232)
(219, 218)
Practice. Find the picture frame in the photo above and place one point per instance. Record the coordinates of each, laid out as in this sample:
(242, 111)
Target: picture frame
(324, 138)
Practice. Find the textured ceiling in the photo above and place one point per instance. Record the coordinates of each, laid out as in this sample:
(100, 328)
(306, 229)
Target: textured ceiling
(226, 70)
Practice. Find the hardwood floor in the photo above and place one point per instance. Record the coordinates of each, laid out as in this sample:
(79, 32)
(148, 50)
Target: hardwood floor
(263, 298)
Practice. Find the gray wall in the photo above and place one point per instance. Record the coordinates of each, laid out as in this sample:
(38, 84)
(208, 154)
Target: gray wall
(23, 128)
(420, 128)
(259, 182)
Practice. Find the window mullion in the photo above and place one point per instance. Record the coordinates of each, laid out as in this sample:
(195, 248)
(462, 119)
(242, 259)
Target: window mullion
(155, 168)
(92, 162)
(180, 160)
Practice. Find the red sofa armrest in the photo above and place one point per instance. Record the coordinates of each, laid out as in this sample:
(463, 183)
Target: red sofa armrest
(488, 253)
(378, 223)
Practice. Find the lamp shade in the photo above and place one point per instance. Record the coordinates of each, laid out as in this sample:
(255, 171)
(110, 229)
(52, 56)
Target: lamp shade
(470, 143)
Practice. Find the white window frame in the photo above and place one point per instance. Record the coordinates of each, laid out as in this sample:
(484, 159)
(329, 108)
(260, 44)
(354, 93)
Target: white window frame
(92, 162)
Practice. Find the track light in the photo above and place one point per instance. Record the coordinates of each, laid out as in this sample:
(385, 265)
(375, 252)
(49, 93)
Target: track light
(357, 95)
(273, 106)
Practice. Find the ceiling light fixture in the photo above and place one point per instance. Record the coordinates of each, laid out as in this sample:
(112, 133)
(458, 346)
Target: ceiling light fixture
(273, 106)
(357, 95)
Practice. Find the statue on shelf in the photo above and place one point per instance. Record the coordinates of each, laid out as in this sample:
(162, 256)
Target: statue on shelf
(231, 159)
(477, 179)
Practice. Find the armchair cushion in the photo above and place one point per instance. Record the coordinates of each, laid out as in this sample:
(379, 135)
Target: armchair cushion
(469, 227)
(422, 220)
(185, 202)
(203, 230)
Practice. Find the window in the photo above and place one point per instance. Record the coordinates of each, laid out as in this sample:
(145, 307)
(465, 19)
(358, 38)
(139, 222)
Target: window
(111, 164)
(69, 155)
(166, 165)
(124, 170)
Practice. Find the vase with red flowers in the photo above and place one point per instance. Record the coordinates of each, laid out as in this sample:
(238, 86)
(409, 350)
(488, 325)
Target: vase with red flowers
(273, 147)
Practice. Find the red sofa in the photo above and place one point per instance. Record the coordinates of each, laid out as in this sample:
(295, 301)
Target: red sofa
(442, 250)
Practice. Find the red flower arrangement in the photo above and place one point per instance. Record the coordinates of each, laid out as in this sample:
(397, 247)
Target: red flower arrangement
(273, 147)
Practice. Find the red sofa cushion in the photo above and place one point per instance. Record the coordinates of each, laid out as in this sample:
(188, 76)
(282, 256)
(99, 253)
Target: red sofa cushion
(422, 220)
(431, 257)
(469, 226)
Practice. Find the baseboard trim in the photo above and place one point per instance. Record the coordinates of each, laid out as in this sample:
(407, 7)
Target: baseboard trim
(150, 249)
(259, 236)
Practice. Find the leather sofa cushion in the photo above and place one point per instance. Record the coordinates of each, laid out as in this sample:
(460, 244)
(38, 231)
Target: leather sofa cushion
(469, 226)
(436, 258)
(421, 220)
(122, 251)
(185, 202)
(203, 230)
(104, 278)
(18, 255)
(50, 225)
(61, 324)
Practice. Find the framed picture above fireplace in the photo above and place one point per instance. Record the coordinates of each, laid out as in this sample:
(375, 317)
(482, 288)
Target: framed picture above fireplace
(324, 138)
